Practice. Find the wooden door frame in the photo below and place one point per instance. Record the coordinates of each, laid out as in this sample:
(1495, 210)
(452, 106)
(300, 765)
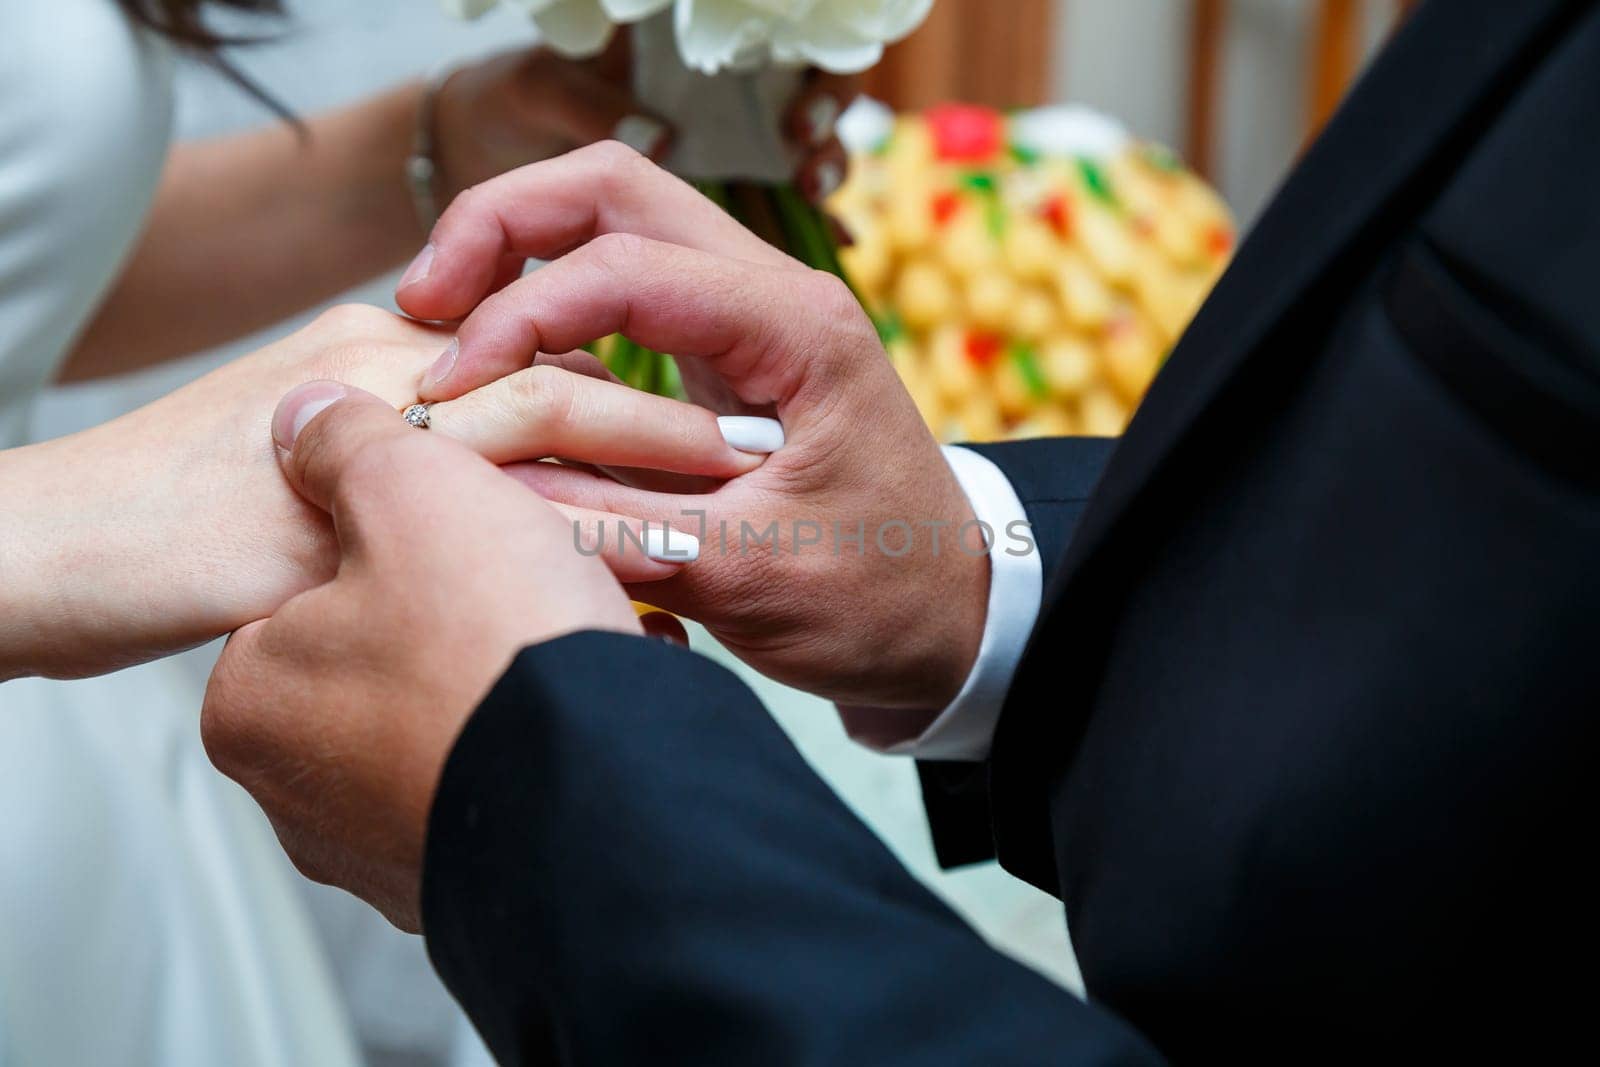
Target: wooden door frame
(969, 51)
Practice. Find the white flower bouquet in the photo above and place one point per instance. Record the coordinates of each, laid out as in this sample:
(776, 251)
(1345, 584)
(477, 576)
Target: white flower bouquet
(721, 72)
(839, 36)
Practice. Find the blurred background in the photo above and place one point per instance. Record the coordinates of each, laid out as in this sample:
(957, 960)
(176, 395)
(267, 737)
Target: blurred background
(1235, 87)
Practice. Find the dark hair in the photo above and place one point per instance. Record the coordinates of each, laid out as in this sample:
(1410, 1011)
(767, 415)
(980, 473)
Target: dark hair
(184, 22)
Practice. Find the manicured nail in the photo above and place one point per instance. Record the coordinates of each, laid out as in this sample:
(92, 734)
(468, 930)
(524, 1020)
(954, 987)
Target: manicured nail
(643, 134)
(750, 434)
(825, 180)
(419, 270)
(300, 406)
(442, 366)
(666, 545)
(822, 117)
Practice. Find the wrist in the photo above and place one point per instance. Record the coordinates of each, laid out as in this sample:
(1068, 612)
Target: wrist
(67, 560)
(124, 546)
(960, 611)
(928, 612)
(370, 145)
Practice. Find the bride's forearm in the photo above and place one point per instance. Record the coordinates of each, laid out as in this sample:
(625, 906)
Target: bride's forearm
(249, 229)
(80, 563)
(115, 548)
(24, 566)
(173, 524)
(44, 553)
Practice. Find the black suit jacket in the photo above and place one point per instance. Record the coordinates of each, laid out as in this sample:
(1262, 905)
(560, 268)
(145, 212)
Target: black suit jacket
(1301, 738)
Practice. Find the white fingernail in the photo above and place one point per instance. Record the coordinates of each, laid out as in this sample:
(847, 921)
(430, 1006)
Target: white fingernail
(822, 115)
(748, 433)
(666, 545)
(641, 133)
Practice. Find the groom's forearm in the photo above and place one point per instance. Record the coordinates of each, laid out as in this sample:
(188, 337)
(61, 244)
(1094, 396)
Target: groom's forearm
(629, 862)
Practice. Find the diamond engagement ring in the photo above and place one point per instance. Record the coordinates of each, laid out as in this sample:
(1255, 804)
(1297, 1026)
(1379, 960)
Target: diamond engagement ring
(417, 415)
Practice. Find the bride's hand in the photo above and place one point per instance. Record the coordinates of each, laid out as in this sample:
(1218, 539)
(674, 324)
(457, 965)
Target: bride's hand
(173, 524)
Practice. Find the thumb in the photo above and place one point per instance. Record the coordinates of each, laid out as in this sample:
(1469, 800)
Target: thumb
(321, 430)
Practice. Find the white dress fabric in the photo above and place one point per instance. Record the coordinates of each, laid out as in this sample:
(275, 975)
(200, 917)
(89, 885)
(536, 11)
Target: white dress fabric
(147, 915)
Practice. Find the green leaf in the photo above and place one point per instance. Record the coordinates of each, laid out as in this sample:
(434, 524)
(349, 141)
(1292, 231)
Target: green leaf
(994, 214)
(980, 182)
(890, 327)
(1097, 181)
(1027, 362)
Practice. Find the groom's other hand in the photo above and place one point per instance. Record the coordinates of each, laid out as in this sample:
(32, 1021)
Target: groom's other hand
(338, 712)
(837, 566)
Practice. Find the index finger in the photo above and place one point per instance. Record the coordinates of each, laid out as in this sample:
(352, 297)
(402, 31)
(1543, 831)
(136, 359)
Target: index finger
(545, 210)
(765, 332)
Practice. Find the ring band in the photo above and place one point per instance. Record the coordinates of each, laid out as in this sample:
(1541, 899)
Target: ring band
(417, 415)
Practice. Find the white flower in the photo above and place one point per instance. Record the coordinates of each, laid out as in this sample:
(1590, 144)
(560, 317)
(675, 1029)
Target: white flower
(842, 36)
(577, 28)
(866, 125)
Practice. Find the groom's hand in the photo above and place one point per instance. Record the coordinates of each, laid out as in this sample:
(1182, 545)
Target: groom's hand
(848, 564)
(338, 712)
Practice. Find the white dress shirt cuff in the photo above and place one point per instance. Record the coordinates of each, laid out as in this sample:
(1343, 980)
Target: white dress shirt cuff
(964, 730)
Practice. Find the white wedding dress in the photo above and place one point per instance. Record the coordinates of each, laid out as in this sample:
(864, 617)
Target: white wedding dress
(147, 915)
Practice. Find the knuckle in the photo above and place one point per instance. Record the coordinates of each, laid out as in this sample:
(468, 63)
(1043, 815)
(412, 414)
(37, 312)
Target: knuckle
(612, 156)
(616, 252)
(470, 203)
(217, 732)
(623, 174)
(835, 304)
(842, 329)
(310, 861)
(544, 394)
(228, 732)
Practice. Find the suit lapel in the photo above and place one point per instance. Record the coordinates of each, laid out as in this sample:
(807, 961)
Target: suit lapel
(1424, 103)
(1423, 100)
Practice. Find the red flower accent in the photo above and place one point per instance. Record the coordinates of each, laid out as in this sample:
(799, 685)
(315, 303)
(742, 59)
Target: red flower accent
(1219, 241)
(964, 133)
(1057, 211)
(984, 348)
